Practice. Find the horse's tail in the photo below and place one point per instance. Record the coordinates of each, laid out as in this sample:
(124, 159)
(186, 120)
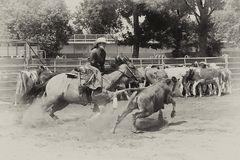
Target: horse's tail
(35, 91)
(20, 88)
(21, 84)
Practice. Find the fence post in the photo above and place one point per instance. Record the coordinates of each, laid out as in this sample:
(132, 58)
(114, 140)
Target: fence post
(141, 63)
(80, 62)
(54, 65)
(184, 61)
(162, 61)
(26, 63)
(226, 60)
(205, 59)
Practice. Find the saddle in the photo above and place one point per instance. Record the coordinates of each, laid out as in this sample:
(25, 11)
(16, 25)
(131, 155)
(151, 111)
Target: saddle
(84, 73)
(90, 80)
(73, 74)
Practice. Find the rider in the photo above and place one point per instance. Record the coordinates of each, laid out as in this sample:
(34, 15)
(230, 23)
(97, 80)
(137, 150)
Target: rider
(97, 59)
(98, 54)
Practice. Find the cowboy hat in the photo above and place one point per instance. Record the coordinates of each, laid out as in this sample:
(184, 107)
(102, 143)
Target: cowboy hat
(101, 40)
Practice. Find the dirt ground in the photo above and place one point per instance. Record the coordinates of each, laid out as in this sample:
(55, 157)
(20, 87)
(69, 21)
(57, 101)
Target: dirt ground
(204, 128)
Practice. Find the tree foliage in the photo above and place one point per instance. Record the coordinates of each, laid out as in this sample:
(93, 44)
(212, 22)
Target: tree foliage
(203, 10)
(97, 16)
(173, 24)
(227, 23)
(43, 21)
(165, 25)
(169, 24)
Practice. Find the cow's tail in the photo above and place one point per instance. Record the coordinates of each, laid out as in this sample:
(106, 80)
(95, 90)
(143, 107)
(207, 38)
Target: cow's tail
(130, 107)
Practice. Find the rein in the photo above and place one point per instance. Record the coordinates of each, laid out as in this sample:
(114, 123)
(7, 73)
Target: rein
(134, 77)
(127, 75)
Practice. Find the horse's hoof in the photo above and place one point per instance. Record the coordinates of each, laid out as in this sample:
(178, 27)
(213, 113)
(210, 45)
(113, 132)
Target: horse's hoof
(54, 117)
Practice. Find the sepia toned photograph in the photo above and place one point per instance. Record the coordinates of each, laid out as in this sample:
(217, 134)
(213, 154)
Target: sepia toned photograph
(119, 79)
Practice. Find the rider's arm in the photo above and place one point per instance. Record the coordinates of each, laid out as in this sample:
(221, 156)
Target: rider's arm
(103, 54)
(92, 57)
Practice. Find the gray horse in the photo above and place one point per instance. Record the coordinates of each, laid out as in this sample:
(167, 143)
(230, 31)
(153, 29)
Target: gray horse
(62, 90)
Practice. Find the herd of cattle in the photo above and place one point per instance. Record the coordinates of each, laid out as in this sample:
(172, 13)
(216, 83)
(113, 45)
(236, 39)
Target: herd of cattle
(158, 87)
(196, 80)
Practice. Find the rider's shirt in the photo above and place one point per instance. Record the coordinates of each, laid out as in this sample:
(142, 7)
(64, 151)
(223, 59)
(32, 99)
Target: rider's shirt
(97, 58)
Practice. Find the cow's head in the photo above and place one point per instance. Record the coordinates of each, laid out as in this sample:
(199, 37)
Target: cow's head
(175, 86)
(171, 83)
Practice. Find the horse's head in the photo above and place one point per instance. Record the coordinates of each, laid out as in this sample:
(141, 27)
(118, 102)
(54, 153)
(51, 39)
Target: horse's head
(119, 60)
(130, 71)
(44, 73)
(43, 68)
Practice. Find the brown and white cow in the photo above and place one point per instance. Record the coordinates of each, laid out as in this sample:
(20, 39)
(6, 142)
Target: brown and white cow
(207, 76)
(154, 75)
(149, 101)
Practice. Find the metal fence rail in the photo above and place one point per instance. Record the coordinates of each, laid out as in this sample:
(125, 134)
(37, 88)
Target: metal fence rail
(90, 38)
(9, 68)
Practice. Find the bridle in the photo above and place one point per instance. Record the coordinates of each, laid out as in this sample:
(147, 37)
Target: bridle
(130, 77)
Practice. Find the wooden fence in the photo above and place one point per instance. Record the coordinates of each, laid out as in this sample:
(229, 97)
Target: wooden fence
(9, 68)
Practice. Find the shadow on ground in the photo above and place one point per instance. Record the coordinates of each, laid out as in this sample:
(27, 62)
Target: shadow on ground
(153, 125)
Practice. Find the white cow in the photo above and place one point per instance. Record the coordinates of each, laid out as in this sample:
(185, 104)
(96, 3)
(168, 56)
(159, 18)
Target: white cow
(178, 73)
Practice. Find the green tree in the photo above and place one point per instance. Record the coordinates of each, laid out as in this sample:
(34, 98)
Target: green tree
(203, 10)
(169, 26)
(226, 22)
(165, 25)
(134, 9)
(98, 16)
(45, 22)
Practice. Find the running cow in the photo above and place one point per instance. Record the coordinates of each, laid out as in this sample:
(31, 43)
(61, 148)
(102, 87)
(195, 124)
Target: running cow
(149, 101)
